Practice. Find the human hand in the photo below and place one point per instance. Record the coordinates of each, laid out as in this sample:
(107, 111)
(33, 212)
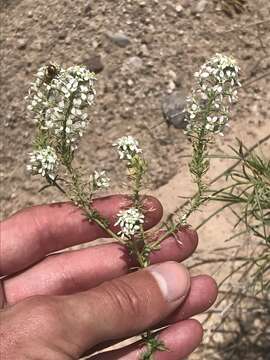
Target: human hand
(63, 305)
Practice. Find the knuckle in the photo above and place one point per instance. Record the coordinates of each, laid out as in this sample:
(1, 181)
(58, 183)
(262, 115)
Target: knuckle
(42, 307)
(124, 299)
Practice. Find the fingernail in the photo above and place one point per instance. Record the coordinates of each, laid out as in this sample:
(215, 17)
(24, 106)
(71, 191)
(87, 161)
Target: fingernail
(173, 279)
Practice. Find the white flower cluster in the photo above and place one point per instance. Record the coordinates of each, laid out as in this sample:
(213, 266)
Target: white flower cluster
(99, 180)
(129, 221)
(216, 88)
(59, 97)
(43, 162)
(127, 147)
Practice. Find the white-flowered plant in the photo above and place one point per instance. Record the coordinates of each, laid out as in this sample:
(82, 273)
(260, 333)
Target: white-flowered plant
(59, 99)
(215, 89)
(127, 147)
(207, 114)
(99, 180)
(43, 162)
(130, 222)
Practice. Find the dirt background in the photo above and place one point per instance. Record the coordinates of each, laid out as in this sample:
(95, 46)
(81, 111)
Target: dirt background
(143, 53)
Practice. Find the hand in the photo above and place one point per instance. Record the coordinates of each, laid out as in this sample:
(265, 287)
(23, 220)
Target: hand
(60, 306)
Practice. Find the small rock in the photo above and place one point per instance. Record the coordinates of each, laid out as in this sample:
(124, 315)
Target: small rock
(199, 7)
(94, 63)
(68, 40)
(22, 43)
(38, 45)
(172, 109)
(62, 34)
(186, 3)
(144, 50)
(119, 39)
(172, 74)
(171, 86)
(95, 44)
(178, 8)
(130, 82)
(88, 8)
(147, 39)
(178, 81)
(132, 64)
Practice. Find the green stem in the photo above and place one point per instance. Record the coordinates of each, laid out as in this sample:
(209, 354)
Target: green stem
(109, 231)
(86, 205)
(59, 188)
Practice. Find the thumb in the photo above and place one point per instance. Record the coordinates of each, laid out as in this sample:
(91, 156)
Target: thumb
(126, 305)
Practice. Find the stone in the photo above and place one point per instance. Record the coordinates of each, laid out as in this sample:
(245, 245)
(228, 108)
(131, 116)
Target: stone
(132, 64)
(178, 8)
(62, 34)
(22, 43)
(144, 50)
(147, 39)
(172, 109)
(95, 44)
(199, 7)
(94, 63)
(171, 86)
(88, 8)
(186, 3)
(130, 82)
(120, 39)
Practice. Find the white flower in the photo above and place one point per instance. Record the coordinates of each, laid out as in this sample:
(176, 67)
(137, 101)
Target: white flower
(59, 101)
(130, 222)
(216, 88)
(127, 147)
(43, 162)
(99, 180)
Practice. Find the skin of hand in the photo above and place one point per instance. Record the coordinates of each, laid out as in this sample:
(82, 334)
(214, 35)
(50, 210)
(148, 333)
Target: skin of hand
(61, 305)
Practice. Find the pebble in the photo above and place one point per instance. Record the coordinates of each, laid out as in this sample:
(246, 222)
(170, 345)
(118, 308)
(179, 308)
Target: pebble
(119, 39)
(88, 8)
(144, 50)
(147, 39)
(186, 3)
(22, 43)
(94, 63)
(130, 82)
(199, 7)
(171, 86)
(172, 74)
(172, 109)
(132, 64)
(95, 44)
(62, 34)
(178, 8)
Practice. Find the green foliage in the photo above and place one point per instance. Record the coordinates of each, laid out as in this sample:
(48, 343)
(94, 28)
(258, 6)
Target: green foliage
(153, 344)
(250, 188)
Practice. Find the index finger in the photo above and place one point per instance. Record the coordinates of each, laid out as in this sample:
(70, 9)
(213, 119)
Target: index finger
(31, 234)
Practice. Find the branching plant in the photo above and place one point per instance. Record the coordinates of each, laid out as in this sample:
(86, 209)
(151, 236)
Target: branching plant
(59, 99)
(246, 285)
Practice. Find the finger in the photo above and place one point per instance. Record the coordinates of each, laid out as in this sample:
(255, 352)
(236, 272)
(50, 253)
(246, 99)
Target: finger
(80, 270)
(31, 234)
(180, 339)
(120, 308)
(201, 296)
